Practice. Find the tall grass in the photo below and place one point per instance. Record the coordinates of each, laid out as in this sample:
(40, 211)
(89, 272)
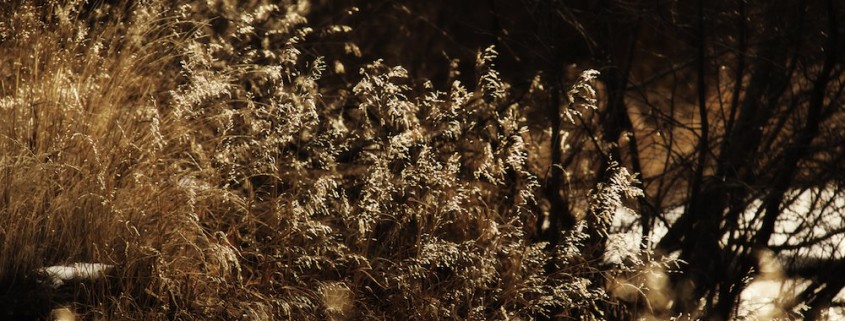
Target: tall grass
(199, 148)
(86, 173)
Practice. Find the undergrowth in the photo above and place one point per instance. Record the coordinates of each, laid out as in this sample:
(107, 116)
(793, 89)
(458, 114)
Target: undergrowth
(223, 168)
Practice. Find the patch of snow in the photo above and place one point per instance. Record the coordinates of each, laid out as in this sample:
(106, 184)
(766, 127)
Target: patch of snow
(811, 214)
(57, 275)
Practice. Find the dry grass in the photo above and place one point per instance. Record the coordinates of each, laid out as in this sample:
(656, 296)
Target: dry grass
(195, 148)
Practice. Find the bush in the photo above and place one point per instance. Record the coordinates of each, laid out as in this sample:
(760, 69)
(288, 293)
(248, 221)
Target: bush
(227, 172)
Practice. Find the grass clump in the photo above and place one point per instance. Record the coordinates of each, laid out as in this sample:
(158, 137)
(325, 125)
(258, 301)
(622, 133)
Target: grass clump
(205, 152)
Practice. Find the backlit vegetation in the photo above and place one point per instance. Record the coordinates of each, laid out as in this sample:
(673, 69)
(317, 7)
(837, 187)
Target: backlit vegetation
(229, 171)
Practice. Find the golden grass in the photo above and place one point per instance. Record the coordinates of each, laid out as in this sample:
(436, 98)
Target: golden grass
(193, 147)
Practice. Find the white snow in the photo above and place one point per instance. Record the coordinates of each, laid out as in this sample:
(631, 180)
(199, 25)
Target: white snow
(811, 214)
(57, 275)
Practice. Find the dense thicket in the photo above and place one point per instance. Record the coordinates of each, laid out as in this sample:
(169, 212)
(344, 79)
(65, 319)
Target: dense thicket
(730, 110)
(422, 160)
(229, 164)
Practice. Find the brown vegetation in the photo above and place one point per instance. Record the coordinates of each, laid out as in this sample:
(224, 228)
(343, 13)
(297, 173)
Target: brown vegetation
(420, 160)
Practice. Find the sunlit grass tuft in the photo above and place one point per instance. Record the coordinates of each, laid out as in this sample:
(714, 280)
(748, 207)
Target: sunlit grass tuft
(195, 148)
